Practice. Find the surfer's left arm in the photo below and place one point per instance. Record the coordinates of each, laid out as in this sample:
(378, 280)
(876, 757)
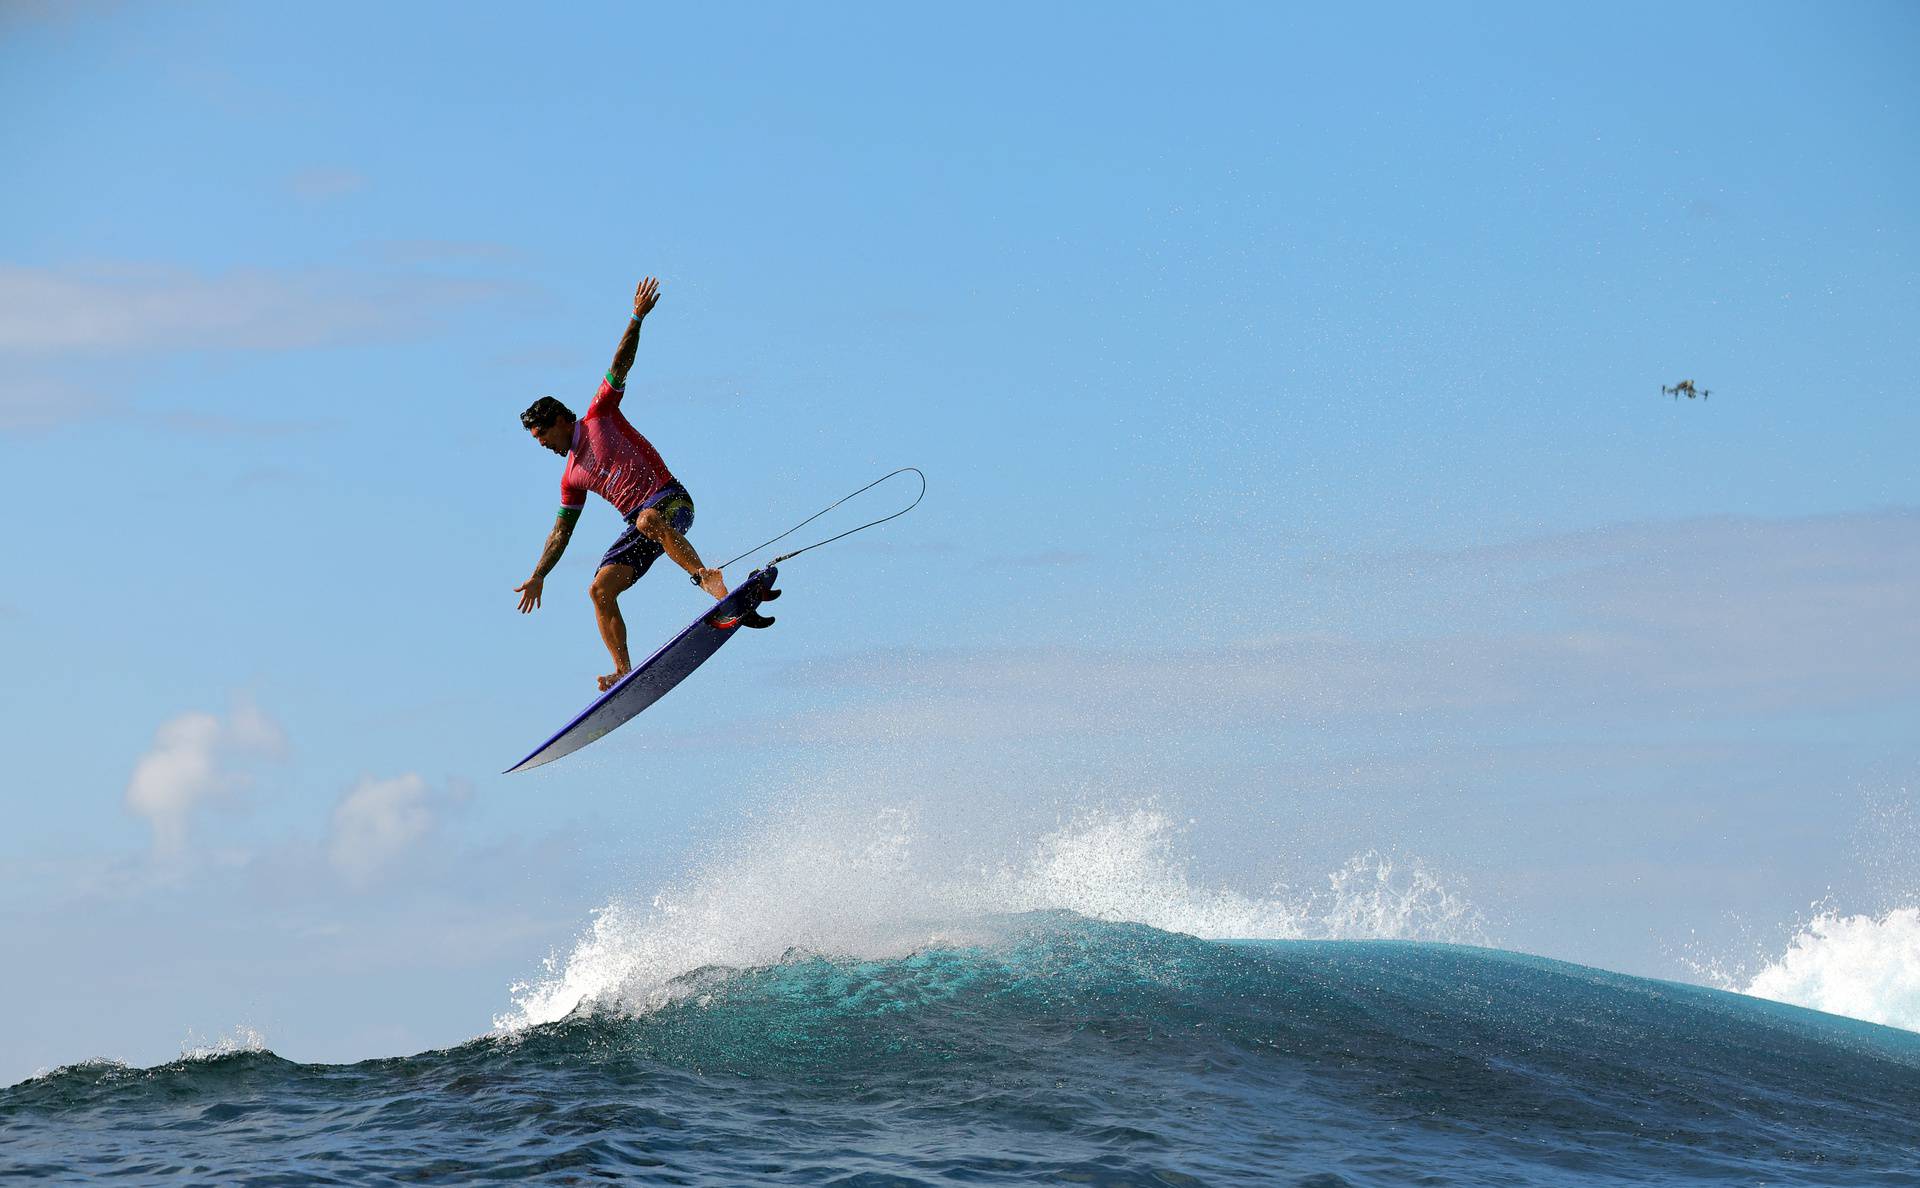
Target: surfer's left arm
(644, 299)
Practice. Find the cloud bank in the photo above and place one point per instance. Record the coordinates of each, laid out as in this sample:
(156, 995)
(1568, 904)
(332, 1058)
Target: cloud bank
(1701, 617)
(52, 311)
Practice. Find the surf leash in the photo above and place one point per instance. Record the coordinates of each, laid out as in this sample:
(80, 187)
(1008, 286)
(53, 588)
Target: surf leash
(823, 511)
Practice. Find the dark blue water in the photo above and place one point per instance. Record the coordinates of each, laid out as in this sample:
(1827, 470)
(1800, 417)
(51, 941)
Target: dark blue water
(1075, 1052)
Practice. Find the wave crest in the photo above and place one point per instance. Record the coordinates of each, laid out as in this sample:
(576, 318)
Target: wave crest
(872, 886)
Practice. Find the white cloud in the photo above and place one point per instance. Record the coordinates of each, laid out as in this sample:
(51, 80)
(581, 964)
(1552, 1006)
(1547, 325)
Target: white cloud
(49, 311)
(37, 403)
(50, 13)
(320, 185)
(248, 728)
(196, 758)
(379, 820)
(442, 251)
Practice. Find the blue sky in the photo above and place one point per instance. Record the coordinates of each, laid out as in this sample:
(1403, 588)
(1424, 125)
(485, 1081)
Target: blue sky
(1287, 382)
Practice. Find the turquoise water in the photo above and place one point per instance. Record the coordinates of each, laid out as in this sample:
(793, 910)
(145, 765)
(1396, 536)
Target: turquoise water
(1069, 1050)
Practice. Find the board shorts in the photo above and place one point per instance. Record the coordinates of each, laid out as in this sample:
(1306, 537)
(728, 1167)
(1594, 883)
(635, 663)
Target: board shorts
(640, 551)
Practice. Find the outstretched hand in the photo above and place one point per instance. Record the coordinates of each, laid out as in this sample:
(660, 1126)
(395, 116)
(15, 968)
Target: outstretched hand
(529, 592)
(646, 297)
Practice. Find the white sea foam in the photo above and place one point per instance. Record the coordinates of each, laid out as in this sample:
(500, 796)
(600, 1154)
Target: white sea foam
(1865, 967)
(241, 1039)
(871, 884)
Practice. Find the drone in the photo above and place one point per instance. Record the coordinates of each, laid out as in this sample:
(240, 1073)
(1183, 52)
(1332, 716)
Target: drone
(1684, 388)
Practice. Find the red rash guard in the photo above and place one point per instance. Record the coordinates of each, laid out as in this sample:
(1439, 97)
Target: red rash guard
(610, 456)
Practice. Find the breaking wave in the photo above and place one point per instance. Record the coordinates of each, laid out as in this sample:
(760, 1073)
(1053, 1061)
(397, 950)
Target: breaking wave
(872, 885)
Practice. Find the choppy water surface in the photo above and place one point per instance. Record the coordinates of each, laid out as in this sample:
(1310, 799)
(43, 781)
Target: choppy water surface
(1055, 1048)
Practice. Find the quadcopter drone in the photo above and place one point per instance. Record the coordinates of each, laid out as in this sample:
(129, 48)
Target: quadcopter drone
(1684, 388)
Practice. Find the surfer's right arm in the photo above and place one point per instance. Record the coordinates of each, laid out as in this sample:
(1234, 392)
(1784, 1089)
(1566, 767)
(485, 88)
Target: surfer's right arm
(557, 539)
(644, 299)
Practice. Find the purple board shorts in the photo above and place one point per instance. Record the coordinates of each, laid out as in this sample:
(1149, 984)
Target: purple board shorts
(641, 551)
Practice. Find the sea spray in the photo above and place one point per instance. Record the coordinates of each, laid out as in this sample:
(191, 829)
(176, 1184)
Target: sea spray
(870, 884)
(241, 1038)
(1862, 966)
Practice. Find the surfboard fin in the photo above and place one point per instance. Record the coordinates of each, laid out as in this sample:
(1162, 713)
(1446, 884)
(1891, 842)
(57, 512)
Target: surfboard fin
(753, 617)
(750, 617)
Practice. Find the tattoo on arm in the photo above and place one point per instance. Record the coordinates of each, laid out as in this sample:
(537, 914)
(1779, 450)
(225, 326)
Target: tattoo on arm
(629, 346)
(556, 545)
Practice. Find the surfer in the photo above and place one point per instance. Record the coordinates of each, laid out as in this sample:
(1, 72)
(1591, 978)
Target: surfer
(608, 455)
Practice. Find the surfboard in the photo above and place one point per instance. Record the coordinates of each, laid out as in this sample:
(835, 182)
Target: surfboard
(659, 673)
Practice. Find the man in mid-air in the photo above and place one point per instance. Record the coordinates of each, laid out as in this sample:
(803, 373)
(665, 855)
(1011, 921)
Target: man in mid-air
(607, 454)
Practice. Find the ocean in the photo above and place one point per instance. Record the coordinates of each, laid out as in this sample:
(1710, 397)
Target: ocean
(1043, 1047)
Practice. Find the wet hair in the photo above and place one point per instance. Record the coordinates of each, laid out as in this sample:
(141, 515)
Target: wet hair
(544, 412)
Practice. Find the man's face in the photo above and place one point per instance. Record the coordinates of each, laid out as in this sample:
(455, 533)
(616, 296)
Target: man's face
(557, 436)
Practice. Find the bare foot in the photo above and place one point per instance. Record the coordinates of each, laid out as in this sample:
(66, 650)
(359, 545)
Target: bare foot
(612, 679)
(711, 582)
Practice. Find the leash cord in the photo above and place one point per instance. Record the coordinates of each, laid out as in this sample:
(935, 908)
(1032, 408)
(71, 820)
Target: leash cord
(836, 503)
